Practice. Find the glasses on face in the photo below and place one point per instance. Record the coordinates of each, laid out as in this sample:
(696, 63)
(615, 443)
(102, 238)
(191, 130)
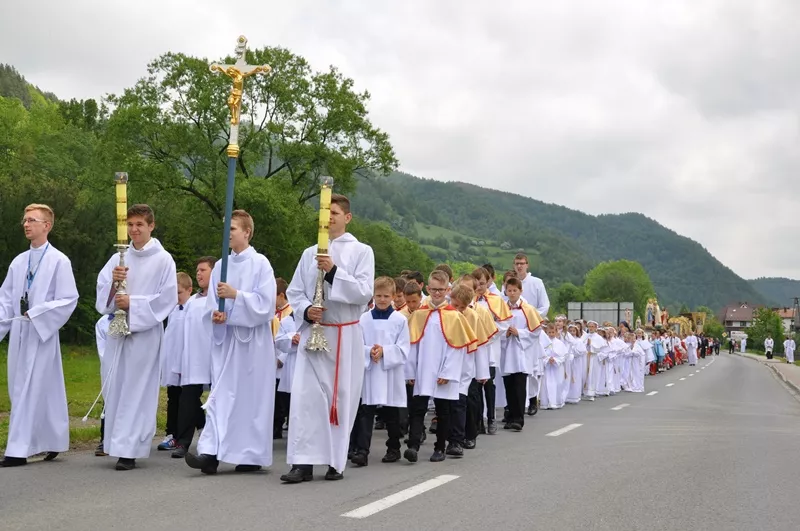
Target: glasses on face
(32, 220)
(437, 290)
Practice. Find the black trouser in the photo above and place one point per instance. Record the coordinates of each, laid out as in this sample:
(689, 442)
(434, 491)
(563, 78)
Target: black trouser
(419, 407)
(282, 403)
(516, 395)
(730, 349)
(173, 403)
(190, 414)
(405, 412)
(489, 392)
(361, 436)
(474, 410)
(458, 420)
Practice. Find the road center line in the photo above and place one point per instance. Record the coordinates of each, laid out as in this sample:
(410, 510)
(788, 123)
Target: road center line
(399, 497)
(651, 393)
(670, 384)
(621, 406)
(682, 379)
(697, 371)
(564, 430)
(691, 374)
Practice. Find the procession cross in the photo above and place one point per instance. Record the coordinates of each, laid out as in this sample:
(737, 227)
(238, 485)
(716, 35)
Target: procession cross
(237, 72)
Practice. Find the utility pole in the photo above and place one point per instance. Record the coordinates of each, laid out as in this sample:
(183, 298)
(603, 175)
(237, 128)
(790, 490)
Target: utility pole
(796, 308)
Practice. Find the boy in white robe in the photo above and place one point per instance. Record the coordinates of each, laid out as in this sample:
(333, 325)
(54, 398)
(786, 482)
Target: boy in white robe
(788, 349)
(37, 298)
(194, 365)
(691, 348)
(555, 355)
(595, 354)
(386, 346)
(286, 339)
(171, 352)
(440, 337)
(130, 364)
(518, 351)
(326, 388)
(533, 289)
(240, 406)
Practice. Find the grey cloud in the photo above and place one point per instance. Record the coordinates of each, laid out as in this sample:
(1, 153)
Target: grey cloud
(684, 110)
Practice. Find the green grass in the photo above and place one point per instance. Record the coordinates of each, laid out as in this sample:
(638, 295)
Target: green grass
(501, 258)
(82, 378)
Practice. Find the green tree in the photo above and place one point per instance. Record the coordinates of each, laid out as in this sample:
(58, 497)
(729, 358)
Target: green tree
(564, 294)
(766, 323)
(620, 281)
(684, 309)
(713, 328)
(296, 125)
(461, 268)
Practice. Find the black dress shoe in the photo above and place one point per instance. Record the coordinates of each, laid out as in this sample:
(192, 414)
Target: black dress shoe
(99, 451)
(50, 456)
(360, 459)
(9, 462)
(277, 435)
(392, 456)
(492, 428)
(247, 468)
(297, 475)
(514, 426)
(411, 455)
(380, 425)
(469, 444)
(437, 456)
(333, 475)
(207, 464)
(454, 450)
(125, 463)
(533, 406)
(179, 453)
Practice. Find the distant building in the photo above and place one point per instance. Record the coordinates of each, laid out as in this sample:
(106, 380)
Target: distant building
(787, 318)
(736, 318)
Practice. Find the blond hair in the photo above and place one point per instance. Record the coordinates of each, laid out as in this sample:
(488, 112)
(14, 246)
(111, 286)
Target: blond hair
(47, 212)
(385, 283)
(463, 294)
(245, 221)
(439, 276)
(184, 280)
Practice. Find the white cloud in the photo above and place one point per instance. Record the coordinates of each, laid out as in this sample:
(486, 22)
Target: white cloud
(684, 110)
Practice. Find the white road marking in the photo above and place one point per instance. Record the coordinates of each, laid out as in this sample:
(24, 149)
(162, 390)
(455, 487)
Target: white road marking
(697, 371)
(399, 497)
(691, 374)
(651, 393)
(564, 430)
(670, 384)
(682, 379)
(621, 406)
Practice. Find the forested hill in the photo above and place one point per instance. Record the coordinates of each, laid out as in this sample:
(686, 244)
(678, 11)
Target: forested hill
(565, 243)
(780, 290)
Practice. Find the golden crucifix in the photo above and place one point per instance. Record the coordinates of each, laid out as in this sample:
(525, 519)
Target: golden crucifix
(237, 72)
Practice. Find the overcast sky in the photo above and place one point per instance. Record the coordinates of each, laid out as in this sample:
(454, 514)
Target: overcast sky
(686, 111)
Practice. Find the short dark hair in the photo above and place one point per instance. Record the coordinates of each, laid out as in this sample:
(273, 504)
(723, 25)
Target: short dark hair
(514, 281)
(489, 269)
(447, 269)
(282, 286)
(342, 201)
(143, 211)
(416, 276)
(521, 256)
(399, 284)
(210, 260)
(412, 288)
(480, 273)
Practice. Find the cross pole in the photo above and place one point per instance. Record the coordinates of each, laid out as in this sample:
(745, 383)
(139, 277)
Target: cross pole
(237, 72)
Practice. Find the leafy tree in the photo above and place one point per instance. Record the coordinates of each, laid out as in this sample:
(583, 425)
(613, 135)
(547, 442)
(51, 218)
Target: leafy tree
(713, 328)
(564, 294)
(461, 268)
(766, 322)
(296, 125)
(620, 281)
(684, 309)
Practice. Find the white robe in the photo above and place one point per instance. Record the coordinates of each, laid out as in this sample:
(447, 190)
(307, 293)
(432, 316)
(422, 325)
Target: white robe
(286, 352)
(788, 348)
(240, 407)
(172, 346)
(130, 364)
(39, 420)
(550, 396)
(439, 360)
(596, 348)
(638, 356)
(567, 368)
(744, 346)
(384, 381)
(313, 439)
(101, 333)
(769, 344)
(194, 364)
(691, 349)
(517, 353)
(535, 294)
(578, 378)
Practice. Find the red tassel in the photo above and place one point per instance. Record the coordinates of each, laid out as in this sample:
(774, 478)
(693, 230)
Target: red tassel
(334, 418)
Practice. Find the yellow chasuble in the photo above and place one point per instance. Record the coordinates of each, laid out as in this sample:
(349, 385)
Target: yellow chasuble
(279, 315)
(532, 317)
(404, 311)
(496, 305)
(487, 319)
(455, 328)
(478, 326)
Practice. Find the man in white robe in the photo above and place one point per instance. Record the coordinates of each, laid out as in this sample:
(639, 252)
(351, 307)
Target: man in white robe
(769, 345)
(788, 348)
(533, 289)
(691, 348)
(131, 364)
(37, 298)
(241, 404)
(327, 385)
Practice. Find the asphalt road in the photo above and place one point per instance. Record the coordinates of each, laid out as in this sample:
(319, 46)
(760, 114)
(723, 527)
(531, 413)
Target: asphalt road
(711, 452)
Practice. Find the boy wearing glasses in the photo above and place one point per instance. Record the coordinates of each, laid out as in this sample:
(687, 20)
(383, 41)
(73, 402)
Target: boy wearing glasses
(440, 337)
(37, 298)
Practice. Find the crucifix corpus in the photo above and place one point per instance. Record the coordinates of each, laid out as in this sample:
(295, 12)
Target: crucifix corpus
(237, 72)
